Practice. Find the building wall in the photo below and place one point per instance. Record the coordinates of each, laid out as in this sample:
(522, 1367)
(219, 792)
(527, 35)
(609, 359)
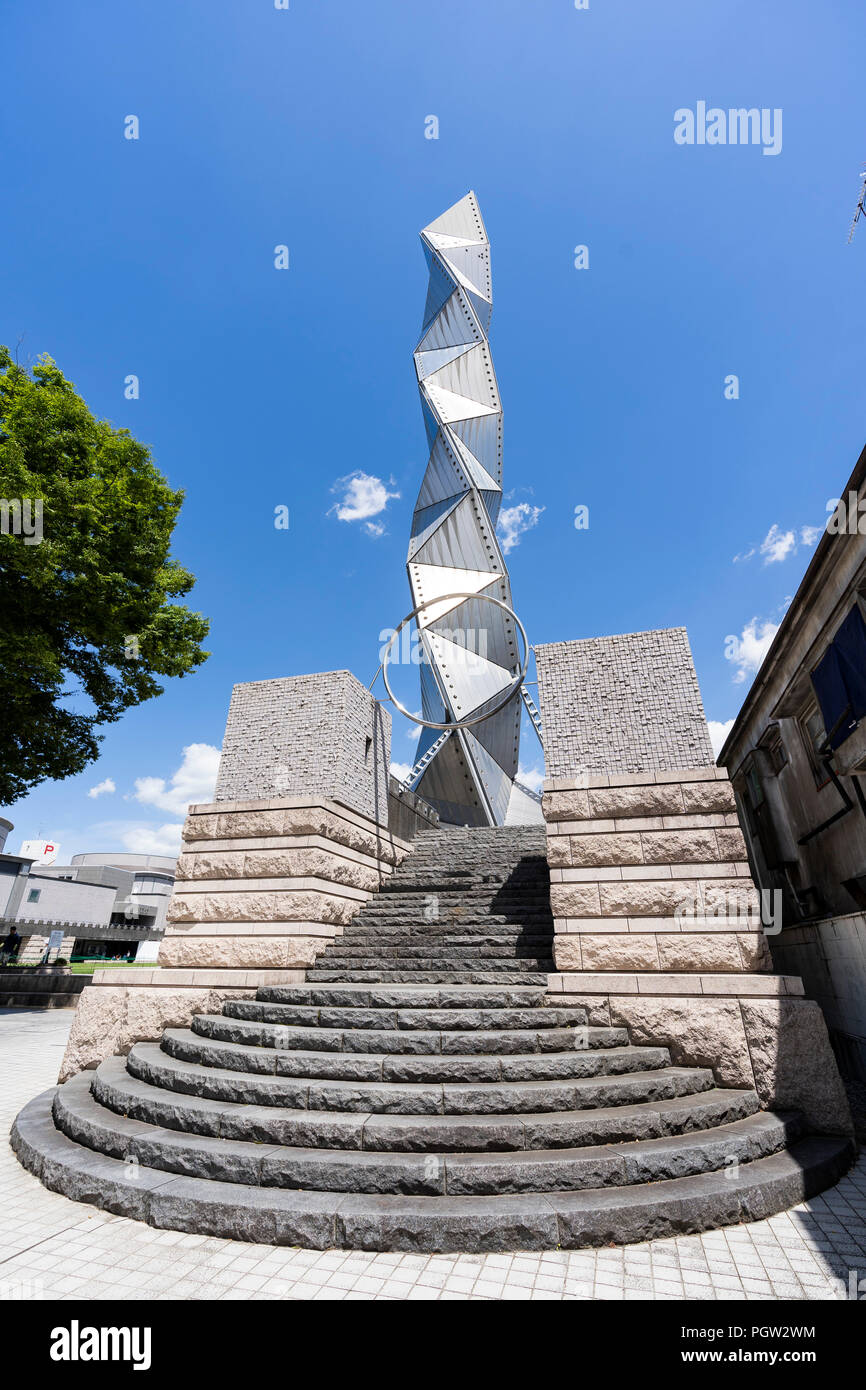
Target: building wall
(62, 901)
(320, 734)
(623, 704)
(781, 802)
(8, 878)
(830, 955)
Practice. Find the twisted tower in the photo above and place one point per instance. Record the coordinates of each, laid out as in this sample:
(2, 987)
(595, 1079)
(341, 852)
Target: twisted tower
(470, 649)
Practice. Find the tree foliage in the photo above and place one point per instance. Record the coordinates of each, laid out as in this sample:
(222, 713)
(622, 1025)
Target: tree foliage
(89, 616)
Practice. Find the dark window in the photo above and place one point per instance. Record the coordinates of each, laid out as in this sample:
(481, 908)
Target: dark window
(839, 679)
(33, 895)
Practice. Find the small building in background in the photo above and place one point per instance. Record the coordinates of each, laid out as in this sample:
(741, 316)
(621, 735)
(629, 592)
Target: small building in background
(796, 756)
(107, 905)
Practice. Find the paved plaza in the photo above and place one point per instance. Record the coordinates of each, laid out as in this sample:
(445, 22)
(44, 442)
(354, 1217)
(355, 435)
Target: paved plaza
(51, 1248)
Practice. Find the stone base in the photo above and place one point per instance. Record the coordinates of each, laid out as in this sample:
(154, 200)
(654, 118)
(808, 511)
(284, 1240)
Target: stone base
(123, 1007)
(753, 1031)
(262, 887)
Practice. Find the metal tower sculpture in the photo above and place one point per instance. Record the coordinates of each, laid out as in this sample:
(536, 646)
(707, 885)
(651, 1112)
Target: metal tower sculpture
(469, 648)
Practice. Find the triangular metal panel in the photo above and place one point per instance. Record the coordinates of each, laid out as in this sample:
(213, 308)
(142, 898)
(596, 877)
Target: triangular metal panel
(487, 628)
(454, 326)
(469, 375)
(461, 541)
(429, 581)
(493, 502)
(450, 407)
(496, 782)
(426, 520)
(463, 219)
(500, 735)
(426, 363)
(431, 424)
(439, 290)
(479, 475)
(444, 476)
(483, 309)
(470, 680)
(483, 438)
(472, 263)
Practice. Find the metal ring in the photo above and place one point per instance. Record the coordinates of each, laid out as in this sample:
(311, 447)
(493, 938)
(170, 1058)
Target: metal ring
(462, 723)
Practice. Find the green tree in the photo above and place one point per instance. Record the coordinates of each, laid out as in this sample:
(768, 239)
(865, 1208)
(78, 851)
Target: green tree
(88, 613)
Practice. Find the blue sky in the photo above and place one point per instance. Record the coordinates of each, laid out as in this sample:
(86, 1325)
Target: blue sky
(260, 388)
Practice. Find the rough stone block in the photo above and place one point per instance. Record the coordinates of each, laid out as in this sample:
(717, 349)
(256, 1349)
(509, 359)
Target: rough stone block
(793, 1063)
(679, 847)
(616, 951)
(708, 798)
(575, 900)
(612, 849)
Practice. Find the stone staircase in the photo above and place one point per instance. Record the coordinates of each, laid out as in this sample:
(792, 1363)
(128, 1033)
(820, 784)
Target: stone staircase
(422, 1091)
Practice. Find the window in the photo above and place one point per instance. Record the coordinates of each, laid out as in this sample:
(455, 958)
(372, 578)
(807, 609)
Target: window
(815, 736)
(33, 895)
(839, 679)
(771, 744)
(753, 786)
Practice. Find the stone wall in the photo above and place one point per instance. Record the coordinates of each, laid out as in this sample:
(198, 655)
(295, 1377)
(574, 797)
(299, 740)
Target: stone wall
(629, 703)
(305, 735)
(261, 888)
(658, 928)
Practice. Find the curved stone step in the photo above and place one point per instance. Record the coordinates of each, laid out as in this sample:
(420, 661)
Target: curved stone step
(355, 1017)
(319, 1220)
(115, 1088)
(451, 1041)
(186, 1046)
(440, 977)
(148, 1062)
(437, 949)
(78, 1115)
(400, 938)
(441, 962)
(407, 996)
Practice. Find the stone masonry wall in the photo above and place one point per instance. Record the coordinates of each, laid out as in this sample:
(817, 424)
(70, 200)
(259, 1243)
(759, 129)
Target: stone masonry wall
(305, 735)
(621, 704)
(658, 929)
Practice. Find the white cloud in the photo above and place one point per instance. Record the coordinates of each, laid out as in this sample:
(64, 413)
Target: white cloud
(152, 839)
(415, 732)
(193, 781)
(719, 732)
(401, 771)
(374, 529)
(531, 777)
(362, 496)
(514, 521)
(102, 788)
(747, 651)
(777, 545)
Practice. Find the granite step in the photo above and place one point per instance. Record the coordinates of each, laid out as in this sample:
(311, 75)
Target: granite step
(79, 1116)
(439, 977)
(355, 1017)
(447, 1041)
(116, 1089)
(187, 1046)
(502, 996)
(371, 1221)
(408, 949)
(147, 1062)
